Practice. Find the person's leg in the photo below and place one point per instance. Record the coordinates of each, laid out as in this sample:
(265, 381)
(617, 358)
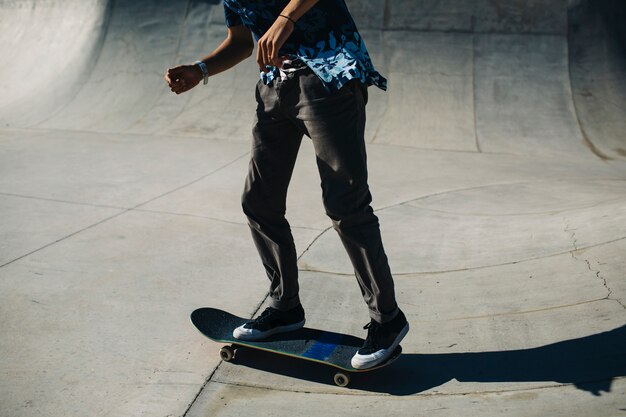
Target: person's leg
(336, 124)
(275, 145)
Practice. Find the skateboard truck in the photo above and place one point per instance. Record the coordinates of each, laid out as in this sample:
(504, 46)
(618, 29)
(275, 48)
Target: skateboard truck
(227, 353)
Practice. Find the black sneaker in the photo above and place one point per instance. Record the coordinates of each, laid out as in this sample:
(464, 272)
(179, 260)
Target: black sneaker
(382, 340)
(270, 322)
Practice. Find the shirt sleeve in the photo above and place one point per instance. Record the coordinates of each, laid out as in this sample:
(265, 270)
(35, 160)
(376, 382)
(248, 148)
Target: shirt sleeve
(232, 18)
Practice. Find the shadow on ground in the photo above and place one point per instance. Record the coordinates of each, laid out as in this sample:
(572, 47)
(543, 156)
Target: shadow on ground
(589, 363)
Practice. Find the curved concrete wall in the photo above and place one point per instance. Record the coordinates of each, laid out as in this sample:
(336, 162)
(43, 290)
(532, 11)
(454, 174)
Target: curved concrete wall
(486, 16)
(597, 45)
(49, 48)
(484, 76)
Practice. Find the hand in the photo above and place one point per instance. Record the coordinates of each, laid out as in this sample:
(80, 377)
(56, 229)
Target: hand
(183, 78)
(271, 42)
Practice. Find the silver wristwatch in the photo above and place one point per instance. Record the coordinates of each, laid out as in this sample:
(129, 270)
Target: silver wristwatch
(204, 69)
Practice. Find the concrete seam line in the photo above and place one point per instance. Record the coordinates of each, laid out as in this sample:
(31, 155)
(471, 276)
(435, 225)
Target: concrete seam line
(313, 241)
(56, 200)
(206, 382)
(191, 182)
(408, 274)
(476, 139)
(64, 237)
(121, 213)
(585, 139)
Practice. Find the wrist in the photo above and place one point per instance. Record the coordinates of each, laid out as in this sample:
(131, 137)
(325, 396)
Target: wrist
(202, 70)
(288, 18)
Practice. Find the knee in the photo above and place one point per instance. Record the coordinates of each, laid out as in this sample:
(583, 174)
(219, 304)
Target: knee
(350, 209)
(257, 205)
(250, 202)
(361, 218)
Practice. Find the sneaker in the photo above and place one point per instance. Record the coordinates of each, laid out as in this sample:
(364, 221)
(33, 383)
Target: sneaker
(382, 340)
(270, 322)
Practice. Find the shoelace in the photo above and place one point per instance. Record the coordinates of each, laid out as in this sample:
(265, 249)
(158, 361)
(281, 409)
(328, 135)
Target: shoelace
(265, 315)
(373, 331)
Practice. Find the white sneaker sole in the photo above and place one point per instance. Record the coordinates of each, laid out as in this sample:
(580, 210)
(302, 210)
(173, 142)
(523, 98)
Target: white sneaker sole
(378, 357)
(251, 335)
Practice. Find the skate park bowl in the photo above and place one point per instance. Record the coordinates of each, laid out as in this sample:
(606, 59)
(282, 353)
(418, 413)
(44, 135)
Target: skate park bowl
(497, 164)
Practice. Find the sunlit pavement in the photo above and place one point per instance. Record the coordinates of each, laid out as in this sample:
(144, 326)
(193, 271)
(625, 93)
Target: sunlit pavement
(497, 166)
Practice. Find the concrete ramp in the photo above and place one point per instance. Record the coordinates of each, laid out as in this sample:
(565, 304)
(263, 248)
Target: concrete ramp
(468, 76)
(490, 76)
(597, 41)
(109, 77)
(497, 166)
(49, 49)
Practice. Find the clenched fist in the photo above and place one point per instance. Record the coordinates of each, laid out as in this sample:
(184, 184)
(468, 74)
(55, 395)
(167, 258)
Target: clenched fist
(183, 78)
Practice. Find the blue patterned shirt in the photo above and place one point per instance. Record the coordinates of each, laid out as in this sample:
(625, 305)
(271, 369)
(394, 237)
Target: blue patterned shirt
(325, 38)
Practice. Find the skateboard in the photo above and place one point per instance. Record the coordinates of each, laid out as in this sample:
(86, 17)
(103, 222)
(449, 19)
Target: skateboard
(328, 348)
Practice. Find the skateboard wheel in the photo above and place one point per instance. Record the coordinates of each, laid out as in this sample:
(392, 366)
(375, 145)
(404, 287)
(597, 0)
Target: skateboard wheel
(227, 353)
(342, 379)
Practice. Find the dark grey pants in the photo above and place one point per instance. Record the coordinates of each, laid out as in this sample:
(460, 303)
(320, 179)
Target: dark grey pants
(287, 109)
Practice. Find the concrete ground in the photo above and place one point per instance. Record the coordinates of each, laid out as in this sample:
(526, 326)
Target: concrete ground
(498, 169)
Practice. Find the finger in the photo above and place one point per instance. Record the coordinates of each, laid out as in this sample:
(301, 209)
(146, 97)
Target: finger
(170, 78)
(271, 54)
(264, 54)
(173, 76)
(263, 57)
(177, 88)
(259, 59)
(277, 62)
(267, 56)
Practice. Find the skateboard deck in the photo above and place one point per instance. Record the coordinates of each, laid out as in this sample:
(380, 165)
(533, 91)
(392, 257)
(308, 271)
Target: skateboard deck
(328, 348)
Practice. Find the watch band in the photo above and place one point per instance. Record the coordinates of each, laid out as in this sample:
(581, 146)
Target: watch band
(204, 69)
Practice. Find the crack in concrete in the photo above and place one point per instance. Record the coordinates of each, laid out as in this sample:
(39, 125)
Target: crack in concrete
(604, 283)
(588, 263)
